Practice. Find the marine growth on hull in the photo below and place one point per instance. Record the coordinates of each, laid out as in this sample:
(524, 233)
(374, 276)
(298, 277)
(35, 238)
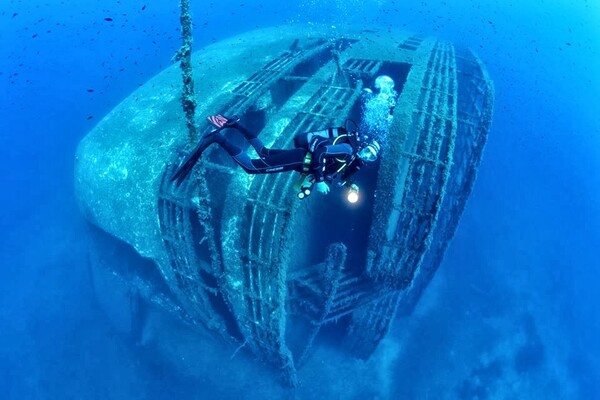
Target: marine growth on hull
(240, 254)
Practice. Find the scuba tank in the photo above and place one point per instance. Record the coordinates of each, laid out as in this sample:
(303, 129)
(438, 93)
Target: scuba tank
(337, 135)
(309, 141)
(312, 140)
(306, 140)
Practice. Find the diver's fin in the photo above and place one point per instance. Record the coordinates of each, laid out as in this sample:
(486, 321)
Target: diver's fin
(186, 167)
(190, 161)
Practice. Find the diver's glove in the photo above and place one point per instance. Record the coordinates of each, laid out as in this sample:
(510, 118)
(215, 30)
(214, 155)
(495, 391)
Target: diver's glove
(322, 187)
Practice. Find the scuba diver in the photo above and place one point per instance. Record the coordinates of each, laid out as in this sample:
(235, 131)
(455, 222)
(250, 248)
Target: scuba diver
(323, 157)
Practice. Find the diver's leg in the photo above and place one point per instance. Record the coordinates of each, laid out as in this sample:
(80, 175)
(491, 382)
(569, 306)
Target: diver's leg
(285, 160)
(281, 161)
(222, 122)
(255, 142)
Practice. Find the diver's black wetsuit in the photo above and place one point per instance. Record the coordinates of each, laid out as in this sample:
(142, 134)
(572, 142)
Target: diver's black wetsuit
(325, 155)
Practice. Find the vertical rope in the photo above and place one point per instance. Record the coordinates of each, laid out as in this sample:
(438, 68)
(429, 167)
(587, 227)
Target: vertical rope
(184, 55)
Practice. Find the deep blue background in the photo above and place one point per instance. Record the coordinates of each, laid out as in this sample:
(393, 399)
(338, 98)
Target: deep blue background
(526, 248)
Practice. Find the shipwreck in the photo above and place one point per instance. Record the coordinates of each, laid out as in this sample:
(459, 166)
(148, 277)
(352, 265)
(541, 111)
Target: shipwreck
(241, 255)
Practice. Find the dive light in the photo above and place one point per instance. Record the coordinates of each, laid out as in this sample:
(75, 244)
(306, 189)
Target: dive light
(352, 195)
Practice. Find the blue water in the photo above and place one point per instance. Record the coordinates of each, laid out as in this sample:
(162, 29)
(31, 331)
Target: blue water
(522, 270)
